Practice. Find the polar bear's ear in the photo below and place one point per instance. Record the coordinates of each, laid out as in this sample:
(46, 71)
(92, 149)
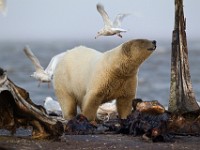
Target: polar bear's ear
(126, 48)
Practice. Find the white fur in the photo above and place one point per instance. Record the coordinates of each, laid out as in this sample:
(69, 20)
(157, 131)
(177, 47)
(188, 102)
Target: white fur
(88, 78)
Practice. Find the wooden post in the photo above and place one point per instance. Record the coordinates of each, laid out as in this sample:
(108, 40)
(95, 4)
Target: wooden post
(182, 98)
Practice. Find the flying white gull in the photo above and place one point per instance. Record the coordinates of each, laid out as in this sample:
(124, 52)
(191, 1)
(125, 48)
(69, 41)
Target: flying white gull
(41, 74)
(52, 107)
(110, 28)
(3, 7)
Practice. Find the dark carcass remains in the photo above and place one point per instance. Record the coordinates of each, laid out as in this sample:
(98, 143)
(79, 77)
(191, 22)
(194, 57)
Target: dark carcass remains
(150, 120)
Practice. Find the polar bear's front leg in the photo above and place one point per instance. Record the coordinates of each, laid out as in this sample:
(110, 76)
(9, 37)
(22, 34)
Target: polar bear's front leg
(91, 102)
(124, 107)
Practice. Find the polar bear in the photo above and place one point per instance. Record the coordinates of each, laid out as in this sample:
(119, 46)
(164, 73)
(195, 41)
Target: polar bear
(87, 78)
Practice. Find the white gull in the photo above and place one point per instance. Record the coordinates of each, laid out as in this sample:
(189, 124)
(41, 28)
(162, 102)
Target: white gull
(52, 106)
(110, 28)
(41, 74)
(107, 111)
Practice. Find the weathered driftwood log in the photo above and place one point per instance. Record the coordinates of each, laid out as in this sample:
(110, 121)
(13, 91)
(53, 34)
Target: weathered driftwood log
(17, 110)
(182, 98)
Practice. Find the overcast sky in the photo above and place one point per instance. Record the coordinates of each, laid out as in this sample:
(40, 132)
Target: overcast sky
(64, 19)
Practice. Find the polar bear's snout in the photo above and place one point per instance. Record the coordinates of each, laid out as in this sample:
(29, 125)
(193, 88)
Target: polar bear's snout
(153, 45)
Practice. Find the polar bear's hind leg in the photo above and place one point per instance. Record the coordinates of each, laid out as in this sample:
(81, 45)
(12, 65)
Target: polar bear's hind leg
(69, 105)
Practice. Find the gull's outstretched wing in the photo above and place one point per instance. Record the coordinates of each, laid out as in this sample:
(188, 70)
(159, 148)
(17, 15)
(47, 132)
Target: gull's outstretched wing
(52, 65)
(39, 73)
(106, 19)
(118, 20)
(34, 59)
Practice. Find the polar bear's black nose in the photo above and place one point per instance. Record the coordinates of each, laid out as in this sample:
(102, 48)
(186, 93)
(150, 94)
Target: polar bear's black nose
(154, 42)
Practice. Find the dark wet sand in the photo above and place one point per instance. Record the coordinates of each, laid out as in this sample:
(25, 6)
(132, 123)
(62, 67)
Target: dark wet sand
(101, 141)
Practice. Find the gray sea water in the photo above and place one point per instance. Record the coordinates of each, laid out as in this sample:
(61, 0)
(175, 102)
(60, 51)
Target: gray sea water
(154, 74)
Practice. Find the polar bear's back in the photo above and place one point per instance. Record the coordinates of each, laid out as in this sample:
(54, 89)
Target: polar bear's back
(75, 69)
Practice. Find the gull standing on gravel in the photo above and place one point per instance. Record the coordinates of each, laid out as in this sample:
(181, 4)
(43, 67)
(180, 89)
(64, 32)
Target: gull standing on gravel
(107, 111)
(52, 106)
(41, 74)
(110, 28)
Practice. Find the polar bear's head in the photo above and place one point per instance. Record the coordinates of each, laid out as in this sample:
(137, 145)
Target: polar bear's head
(139, 50)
